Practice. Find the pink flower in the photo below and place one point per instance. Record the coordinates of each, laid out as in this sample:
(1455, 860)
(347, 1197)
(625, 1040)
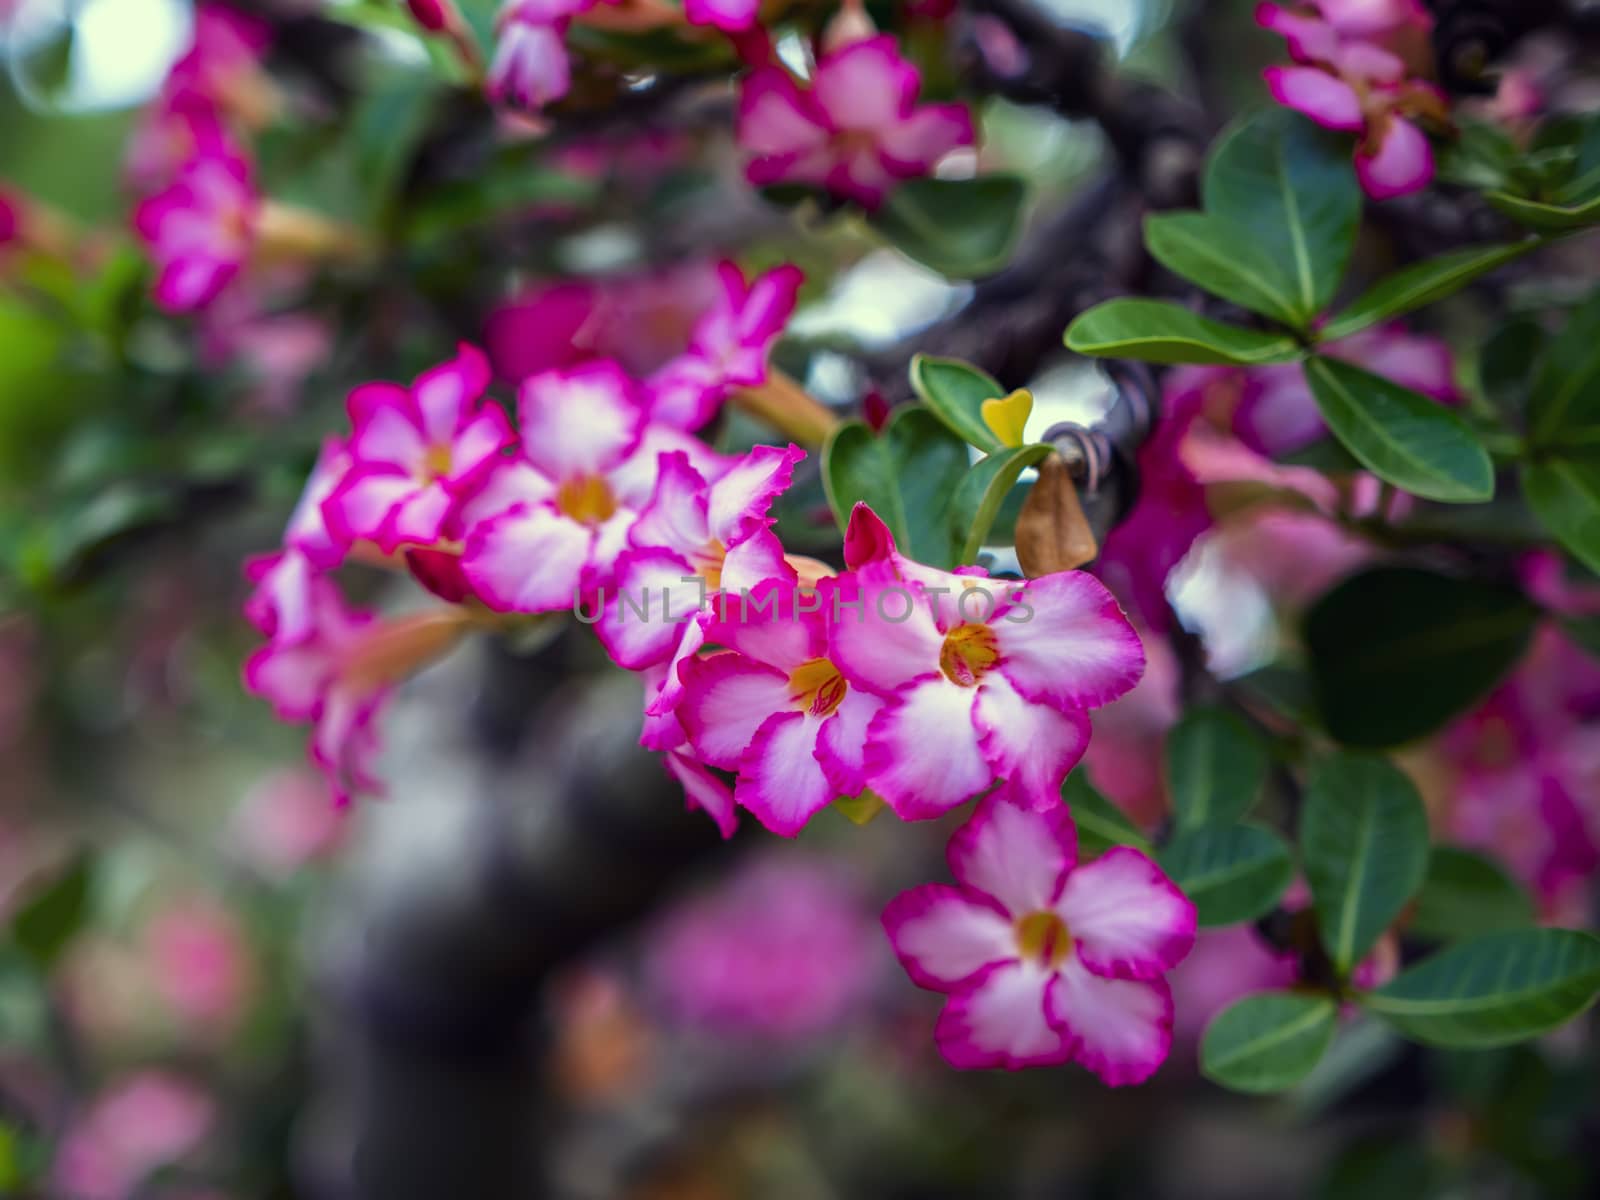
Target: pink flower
(313, 680)
(986, 683)
(180, 126)
(143, 1123)
(1045, 960)
(775, 708)
(202, 963)
(281, 605)
(1354, 84)
(227, 44)
(783, 950)
(730, 16)
(285, 822)
(695, 538)
(415, 452)
(856, 129)
(10, 219)
(1225, 965)
(546, 528)
(200, 230)
(530, 66)
(728, 348)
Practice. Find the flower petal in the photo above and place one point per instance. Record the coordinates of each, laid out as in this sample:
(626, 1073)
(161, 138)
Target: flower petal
(726, 699)
(1076, 649)
(1030, 746)
(922, 752)
(740, 499)
(675, 518)
(1000, 1021)
(943, 936)
(1402, 163)
(866, 86)
(781, 781)
(1121, 1029)
(444, 394)
(656, 594)
(883, 632)
(1015, 856)
(1327, 100)
(842, 741)
(579, 421)
(1126, 918)
(704, 791)
(529, 559)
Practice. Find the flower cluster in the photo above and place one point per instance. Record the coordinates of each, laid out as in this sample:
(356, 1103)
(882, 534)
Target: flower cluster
(1356, 71)
(201, 208)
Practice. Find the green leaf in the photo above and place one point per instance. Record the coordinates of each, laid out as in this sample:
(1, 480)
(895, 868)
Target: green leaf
(1506, 366)
(1267, 1042)
(1550, 218)
(1399, 435)
(1565, 496)
(1101, 824)
(1159, 332)
(1215, 768)
(1292, 186)
(1232, 872)
(1421, 284)
(1566, 389)
(1224, 259)
(955, 391)
(46, 923)
(961, 228)
(1494, 989)
(909, 475)
(1396, 652)
(1466, 894)
(1364, 847)
(982, 493)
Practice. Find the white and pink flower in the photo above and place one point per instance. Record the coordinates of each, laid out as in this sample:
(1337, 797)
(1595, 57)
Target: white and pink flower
(855, 128)
(987, 681)
(728, 347)
(1045, 960)
(200, 230)
(775, 709)
(415, 453)
(531, 67)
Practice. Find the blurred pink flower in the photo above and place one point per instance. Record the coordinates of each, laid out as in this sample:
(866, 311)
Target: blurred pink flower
(285, 822)
(202, 963)
(782, 950)
(199, 230)
(855, 128)
(147, 1121)
(10, 218)
(227, 43)
(1124, 755)
(530, 66)
(1225, 965)
(730, 16)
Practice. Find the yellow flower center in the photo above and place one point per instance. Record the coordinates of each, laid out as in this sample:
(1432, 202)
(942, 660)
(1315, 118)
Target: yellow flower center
(435, 463)
(586, 499)
(1042, 937)
(708, 564)
(968, 653)
(817, 687)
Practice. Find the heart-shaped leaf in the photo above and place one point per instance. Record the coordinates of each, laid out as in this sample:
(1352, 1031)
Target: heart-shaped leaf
(1291, 185)
(1215, 768)
(961, 228)
(1159, 332)
(1008, 416)
(1421, 284)
(955, 392)
(1267, 1042)
(1565, 496)
(982, 493)
(1494, 989)
(1224, 259)
(1465, 894)
(1399, 435)
(1364, 846)
(1395, 652)
(909, 475)
(1232, 872)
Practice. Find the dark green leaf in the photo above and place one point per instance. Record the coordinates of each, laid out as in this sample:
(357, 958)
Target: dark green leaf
(982, 493)
(1395, 652)
(909, 475)
(1364, 847)
(1566, 390)
(47, 922)
(1267, 1042)
(1291, 184)
(1215, 768)
(1101, 824)
(1232, 873)
(961, 228)
(1421, 284)
(1494, 989)
(1466, 894)
(1551, 218)
(1399, 435)
(1155, 331)
(955, 392)
(1505, 369)
(1224, 259)
(1565, 496)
